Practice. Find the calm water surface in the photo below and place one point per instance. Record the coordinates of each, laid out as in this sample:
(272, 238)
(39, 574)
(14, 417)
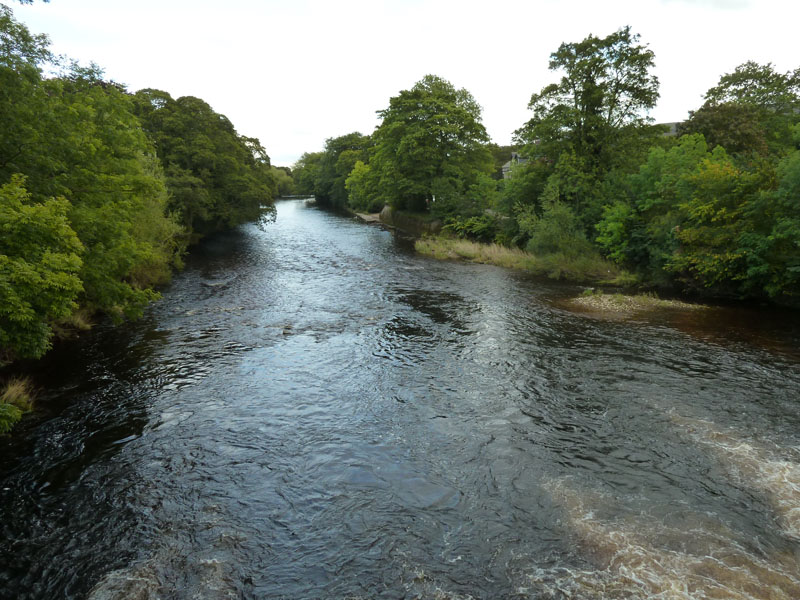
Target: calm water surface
(313, 411)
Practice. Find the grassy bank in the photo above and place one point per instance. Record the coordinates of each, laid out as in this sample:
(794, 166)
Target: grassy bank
(578, 268)
(16, 398)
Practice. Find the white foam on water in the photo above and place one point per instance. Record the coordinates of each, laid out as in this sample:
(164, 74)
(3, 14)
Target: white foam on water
(137, 582)
(755, 467)
(639, 557)
(205, 578)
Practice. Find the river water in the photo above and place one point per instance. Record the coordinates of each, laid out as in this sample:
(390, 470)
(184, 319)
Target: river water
(314, 411)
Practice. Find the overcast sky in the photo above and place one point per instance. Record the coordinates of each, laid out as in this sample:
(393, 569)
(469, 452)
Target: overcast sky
(295, 72)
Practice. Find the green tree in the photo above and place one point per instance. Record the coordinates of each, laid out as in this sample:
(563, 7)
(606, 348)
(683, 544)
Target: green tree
(751, 110)
(98, 157)
(773, 251)
(23, 101)
(337, 161)
(698, 219)
(39, 266)
(639, 231)
(305, 172)
(283, 180)
(75, 136)
(598, 108)
(758, 85)
(216, 178)
(431, 142)
(361, 189)
(557, 230)
(734, 126)
(742, 229)
(714, 218)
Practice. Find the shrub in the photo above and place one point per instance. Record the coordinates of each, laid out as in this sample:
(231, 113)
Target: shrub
(556, 231)
(484, 228)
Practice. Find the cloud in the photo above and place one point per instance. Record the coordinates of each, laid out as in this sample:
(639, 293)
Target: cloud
(714, 4)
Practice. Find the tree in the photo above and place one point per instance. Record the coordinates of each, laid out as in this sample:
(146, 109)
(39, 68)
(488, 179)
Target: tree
(75, 137)
(217, 178)
(337, 161)
(22, 97)
(735, 126)
(751, 110)
(305, 173)
(283, 180)
(39, 266)
(361, 189)
(97, 156)
(431, 142)
(557, 230)
(639, 231)
(758, 85)
(697, 218)
(598, 107)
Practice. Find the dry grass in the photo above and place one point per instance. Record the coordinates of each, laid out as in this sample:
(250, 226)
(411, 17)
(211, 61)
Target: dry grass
(18, 392)
(15, 400)
(80, 320)
(556, 266)
(626, 304)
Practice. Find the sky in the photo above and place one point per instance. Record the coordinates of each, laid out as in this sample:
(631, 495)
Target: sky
(296, 72)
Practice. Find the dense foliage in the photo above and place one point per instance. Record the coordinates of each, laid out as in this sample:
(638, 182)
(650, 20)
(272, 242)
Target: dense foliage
(596, 112)
(336, 162)
(40, 264)
(100, 190)
(714, 210)
(431, 143)
(216, 178)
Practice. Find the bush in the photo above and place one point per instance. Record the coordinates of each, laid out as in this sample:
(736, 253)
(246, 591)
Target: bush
(484, 228)
(556, 231)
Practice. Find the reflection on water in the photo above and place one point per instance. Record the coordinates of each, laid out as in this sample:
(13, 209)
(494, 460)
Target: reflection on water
(314, 411)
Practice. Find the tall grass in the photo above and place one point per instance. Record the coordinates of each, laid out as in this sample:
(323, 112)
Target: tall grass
(15, 400)
(580, 268)
(80, 320)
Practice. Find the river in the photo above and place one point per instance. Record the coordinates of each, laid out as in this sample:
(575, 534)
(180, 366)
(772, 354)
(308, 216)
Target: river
(314, 411)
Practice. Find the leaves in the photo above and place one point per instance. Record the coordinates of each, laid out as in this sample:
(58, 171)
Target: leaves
(431, 137)
(599, 102)
(751, 110)
(216, 177)
(336, 162)
(39, 266)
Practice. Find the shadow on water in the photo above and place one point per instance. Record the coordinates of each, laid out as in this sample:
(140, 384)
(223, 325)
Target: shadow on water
(93, 399)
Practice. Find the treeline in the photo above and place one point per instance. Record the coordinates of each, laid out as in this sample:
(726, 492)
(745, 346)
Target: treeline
(714, 209)
(102, 190)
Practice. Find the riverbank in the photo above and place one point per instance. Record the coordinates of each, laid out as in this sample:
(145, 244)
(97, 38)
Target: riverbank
(369, 217)
(577, 268)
